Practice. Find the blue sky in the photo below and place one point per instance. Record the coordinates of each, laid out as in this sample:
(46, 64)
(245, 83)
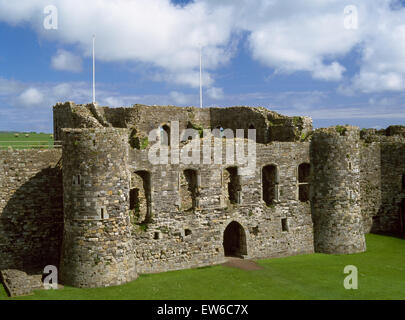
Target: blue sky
(299, 59)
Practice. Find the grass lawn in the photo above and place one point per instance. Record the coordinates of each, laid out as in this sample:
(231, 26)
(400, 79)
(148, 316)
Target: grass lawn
(316, 276)
(27, 140)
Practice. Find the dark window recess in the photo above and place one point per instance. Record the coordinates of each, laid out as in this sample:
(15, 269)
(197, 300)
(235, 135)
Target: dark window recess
(284, 225)
(140, 196)
(133, 198)
(77, 180)
(165, 135)
(270, 184)
(233, 185)
(304, 182)
(190, 189)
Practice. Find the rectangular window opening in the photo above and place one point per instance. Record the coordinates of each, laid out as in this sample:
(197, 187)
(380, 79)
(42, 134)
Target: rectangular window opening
(284, 225)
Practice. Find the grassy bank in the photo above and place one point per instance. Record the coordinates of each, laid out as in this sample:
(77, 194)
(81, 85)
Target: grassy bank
(316, 276)
(29, 140)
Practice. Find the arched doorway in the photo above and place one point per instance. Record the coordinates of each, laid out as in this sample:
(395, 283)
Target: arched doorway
(235, 240)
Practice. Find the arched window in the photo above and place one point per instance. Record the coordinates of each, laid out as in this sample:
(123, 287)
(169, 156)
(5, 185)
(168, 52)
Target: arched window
(165, 135)
(189, 189)
(270, 183)
(232, 185)
(140, 197)
(304, 182)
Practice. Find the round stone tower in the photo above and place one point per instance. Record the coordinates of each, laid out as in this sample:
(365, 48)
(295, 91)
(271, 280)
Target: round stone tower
(335, 195)
(97, 248)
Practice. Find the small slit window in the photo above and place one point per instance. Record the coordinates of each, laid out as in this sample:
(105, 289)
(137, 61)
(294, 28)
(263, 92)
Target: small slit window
(284, 225)
(103, 213)
(77, 180)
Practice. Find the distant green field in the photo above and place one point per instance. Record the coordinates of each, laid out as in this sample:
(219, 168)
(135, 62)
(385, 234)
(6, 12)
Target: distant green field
(381, 275)
(26, 140)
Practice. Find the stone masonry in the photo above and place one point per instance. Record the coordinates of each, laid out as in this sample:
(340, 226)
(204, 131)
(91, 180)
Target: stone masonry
(103, 213)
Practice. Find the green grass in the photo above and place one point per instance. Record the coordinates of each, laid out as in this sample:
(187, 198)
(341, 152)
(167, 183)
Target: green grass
(25, 140)
(316, 276)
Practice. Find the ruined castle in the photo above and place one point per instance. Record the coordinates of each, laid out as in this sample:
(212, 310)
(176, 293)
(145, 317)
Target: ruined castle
(100, 211)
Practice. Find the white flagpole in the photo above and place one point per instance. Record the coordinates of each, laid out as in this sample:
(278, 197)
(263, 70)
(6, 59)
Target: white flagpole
(201, 94)
(94, 71)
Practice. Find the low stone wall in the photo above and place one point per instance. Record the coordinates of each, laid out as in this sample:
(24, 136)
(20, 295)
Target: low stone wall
(31, 208)
(18, 283)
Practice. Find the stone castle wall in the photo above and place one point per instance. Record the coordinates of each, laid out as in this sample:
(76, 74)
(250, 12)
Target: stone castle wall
(370, 183)
(124, 216)
(270, 126)
(336, 198)
(178, 239)
(97, 244)
(31, 208)
(390, 217)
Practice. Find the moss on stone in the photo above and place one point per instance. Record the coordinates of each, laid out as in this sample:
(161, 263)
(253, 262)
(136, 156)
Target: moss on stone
(138, 142)
(341, 130)
(199, 128)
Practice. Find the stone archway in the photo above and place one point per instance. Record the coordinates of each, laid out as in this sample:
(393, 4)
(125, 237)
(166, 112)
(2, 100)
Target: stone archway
(235, 240)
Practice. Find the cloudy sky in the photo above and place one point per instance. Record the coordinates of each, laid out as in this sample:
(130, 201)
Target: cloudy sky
(336, 61)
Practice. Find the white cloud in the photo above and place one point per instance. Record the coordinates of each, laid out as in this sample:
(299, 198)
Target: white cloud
(332, 72)
(368, 81)
(181, 98)
(62, 90)
(190, 78)
(215, 93)
(284, 35)
(31, 97)
(118, 101)
(8, 87)
(66, 61)
(154, 32)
